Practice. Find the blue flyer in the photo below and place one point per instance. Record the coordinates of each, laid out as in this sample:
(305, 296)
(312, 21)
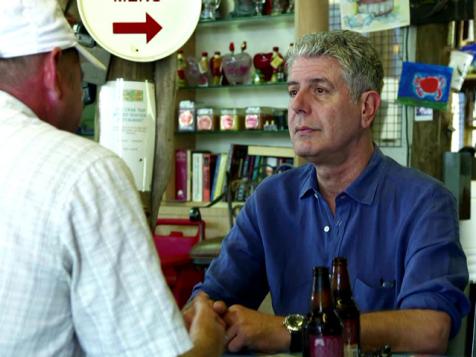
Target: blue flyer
(424, 85)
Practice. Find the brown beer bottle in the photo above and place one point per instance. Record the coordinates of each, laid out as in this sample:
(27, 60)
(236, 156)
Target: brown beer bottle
(345, 307)
(322, 332)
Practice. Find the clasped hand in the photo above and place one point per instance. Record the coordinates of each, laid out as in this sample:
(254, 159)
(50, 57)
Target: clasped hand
(246, 328)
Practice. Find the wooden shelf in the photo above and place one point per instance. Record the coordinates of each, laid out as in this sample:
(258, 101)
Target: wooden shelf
(212, 36)
(216, 217)
(201, 205)
(263, 19)
(264, 133)
(238, 86)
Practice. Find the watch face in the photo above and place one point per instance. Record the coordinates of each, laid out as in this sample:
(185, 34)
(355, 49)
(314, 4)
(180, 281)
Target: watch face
(294, 322)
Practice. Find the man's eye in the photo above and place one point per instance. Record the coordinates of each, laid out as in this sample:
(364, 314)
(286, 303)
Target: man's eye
(319, 90)
(292, 92)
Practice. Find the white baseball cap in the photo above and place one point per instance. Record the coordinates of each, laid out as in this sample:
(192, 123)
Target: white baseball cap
(29, 27)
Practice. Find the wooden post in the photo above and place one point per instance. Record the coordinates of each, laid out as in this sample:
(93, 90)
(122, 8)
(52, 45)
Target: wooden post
(133, 71)
(165, 92)
(311, 16)
(162, 74)
(432, 138)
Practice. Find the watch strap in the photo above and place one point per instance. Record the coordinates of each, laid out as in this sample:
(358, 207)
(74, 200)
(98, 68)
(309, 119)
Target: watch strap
(296, 341)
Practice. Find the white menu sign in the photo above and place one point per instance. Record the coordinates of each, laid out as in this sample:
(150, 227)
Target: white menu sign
(126, 118)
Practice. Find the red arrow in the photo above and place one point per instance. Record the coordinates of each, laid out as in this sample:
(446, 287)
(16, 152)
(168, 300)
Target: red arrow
(150, 27)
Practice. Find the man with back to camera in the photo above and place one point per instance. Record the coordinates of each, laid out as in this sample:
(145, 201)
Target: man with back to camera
(397, 227)
(80, 275)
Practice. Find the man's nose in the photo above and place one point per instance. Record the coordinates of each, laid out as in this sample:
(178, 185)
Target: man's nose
(300, 102)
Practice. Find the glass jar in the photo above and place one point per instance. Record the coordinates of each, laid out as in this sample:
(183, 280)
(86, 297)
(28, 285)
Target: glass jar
(231, 119)
(186, 116)
(255, 117)
(207, 119)
(244, 8)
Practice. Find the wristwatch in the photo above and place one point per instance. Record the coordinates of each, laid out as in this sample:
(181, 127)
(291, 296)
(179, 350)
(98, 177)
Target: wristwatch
(294, 324)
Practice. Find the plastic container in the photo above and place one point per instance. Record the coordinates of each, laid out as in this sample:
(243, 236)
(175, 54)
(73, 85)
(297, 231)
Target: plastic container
(180, 273)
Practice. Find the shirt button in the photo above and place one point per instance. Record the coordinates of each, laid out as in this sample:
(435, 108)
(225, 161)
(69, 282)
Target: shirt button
(327, 229)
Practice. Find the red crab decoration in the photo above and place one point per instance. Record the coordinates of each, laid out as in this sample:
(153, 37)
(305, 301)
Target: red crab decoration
(429, 86)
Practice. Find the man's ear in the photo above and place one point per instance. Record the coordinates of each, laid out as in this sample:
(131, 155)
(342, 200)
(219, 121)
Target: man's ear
(370, 102)
(51, 74)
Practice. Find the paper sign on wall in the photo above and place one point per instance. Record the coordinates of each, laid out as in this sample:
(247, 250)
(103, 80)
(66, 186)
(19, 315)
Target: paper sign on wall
(126, 120)
(374, 15)
(460, 62)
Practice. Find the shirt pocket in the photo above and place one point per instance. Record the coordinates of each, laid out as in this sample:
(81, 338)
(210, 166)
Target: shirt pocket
(377, 296)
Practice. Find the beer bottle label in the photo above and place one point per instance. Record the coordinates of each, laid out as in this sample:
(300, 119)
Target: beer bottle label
(349, 332)
(351, 351)
(326, 346)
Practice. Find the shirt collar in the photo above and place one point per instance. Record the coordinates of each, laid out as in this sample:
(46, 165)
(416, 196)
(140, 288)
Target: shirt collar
(309, 184)
(362, 189)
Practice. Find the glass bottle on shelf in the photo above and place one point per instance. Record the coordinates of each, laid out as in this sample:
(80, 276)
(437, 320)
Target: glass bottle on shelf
(192, 72)
(181, 66)
(263, 68)
(229, 63)
(279, 7)
(286, 69)
(246, 63)
(268, 7)
(237, 67)
(290, 8)
(322, 331)
(345, 306)
(259, 6)
(270, 125)
(277, 62)
(203, 68)
(244, 8)
(209, 10)
(216, 68)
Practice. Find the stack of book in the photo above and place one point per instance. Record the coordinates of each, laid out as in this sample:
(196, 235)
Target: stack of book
(202, 176)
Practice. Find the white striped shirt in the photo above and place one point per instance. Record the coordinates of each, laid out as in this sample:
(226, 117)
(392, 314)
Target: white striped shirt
(78, 271)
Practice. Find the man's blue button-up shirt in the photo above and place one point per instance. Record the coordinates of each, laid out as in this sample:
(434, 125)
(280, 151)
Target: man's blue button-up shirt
(397, 227)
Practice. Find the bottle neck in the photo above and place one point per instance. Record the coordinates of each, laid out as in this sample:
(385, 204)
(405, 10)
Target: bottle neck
(321, 301)
(340, 280)
(321, 292)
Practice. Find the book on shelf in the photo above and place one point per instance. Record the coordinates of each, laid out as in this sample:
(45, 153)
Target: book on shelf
(220, 175)
(215, 175)
(197, 176)
(272, 151)
(202, 176)
(248, 165)
(256, 168)
(183, 169)
(208, 170)
(236, 155)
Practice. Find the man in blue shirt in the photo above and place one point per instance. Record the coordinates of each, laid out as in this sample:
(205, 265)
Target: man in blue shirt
(397, 227)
